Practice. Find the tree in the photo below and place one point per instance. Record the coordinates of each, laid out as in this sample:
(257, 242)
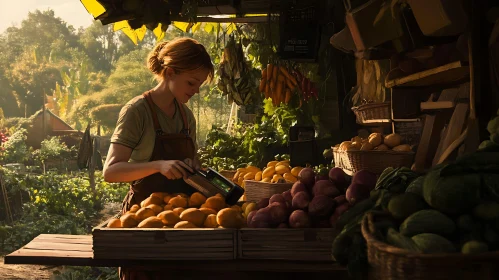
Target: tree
(100, 43)
(33, 79)
(42, 30)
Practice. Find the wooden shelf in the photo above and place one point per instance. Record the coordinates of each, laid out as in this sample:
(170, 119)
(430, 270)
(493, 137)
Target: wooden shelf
(376, 122)
(407, 120)
(441, 75)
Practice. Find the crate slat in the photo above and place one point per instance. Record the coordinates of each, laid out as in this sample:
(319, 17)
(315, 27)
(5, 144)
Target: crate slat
(286, 244)
(163, 243)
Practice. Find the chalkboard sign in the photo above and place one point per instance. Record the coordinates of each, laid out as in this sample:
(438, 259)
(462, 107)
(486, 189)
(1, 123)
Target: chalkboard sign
(299, 27)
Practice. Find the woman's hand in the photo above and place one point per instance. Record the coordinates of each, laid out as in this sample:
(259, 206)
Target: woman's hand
(195, 164)
(174, 169)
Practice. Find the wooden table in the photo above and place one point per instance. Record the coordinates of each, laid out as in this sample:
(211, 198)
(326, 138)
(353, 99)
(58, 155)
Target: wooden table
(76, 250)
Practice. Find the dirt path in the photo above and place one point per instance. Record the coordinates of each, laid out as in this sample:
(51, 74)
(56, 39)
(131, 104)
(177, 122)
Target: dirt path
(40, 272)
(14, 271)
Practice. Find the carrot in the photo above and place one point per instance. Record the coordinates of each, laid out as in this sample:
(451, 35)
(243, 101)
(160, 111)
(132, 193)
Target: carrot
(288, 96)
(289, 84)
(267, 90)
(270, 69)
(261, 88)
(279, 92)
(274, 72)
(288, 76)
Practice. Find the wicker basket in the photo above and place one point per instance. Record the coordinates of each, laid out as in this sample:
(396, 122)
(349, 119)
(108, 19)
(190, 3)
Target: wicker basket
(229, 174)
(372, 111)
(374, 161)
(391, 263)
(255, 190)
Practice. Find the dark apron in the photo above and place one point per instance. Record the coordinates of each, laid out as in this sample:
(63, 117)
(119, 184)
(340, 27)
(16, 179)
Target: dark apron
(175, 146)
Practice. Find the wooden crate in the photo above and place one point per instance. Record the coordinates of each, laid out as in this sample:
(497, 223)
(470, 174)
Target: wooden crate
(163, 243)
(311, 244)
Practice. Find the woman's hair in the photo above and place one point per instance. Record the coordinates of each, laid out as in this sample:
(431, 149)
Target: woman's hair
(180, 54)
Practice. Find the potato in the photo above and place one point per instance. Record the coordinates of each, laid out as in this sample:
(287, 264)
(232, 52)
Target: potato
(367, 147)
(356, 145)
(194, 216)
(392, 140)
(215, 202)
(207, 211)
(156, 208)
(168, 207)
(356, 139)
(169, 218)
(114, 223)
(251, 207)
(129, 220)
(211, 221)
(375, 139)
(151, 222)
(166, 199)
(345, 145)
(159, 195)
(181, 194)
(178, 201)
(184, 224)
(178, 210)
(382, 147)
(151, 200)
(196, 199)
(230, 218)
(134, 208)
(144, 213)
(237, 207)
(402, 148)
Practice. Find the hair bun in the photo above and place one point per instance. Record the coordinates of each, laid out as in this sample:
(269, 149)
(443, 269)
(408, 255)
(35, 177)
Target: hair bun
(154, 62)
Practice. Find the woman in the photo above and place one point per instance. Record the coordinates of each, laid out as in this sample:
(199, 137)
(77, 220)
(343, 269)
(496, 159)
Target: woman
(154, 142)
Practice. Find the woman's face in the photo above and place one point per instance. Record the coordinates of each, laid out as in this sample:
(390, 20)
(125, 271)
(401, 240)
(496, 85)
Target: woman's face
(186, 84)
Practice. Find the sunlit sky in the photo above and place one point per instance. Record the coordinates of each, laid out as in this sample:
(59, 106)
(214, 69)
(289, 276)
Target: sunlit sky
(12, 12)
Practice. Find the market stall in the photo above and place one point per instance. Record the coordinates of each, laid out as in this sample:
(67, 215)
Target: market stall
(411, 195)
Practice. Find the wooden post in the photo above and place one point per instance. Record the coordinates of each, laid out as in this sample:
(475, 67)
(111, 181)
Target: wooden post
(91, 167)
(43, 116)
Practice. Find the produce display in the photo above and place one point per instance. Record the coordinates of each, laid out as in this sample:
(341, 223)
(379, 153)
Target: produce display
(274, 172)
(235, 79)
(313, 201)
(375, 142)
(279, 84)
(453, 208)
(163, 210)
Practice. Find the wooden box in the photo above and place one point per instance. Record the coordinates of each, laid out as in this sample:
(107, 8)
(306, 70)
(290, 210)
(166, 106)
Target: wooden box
(164, 243)
(310, 244)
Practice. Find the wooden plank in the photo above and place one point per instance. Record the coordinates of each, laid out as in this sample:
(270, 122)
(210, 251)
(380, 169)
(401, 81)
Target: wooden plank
(58, 246)
(445, 74)
(66, 236)
(86, 241)
(453, 129)
(161, 243)
(200, 244)
(52, 253)
(296, 244)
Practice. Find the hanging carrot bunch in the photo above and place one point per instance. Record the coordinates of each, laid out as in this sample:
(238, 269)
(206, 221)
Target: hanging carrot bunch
(278, 84)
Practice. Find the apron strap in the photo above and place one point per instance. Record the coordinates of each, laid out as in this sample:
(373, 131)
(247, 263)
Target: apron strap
(186, 130)
(157, 127)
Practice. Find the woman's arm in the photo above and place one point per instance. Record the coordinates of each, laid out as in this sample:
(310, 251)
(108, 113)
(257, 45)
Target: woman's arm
(118, 169)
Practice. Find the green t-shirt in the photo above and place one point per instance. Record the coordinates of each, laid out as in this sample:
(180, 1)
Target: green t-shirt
(135, 127)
